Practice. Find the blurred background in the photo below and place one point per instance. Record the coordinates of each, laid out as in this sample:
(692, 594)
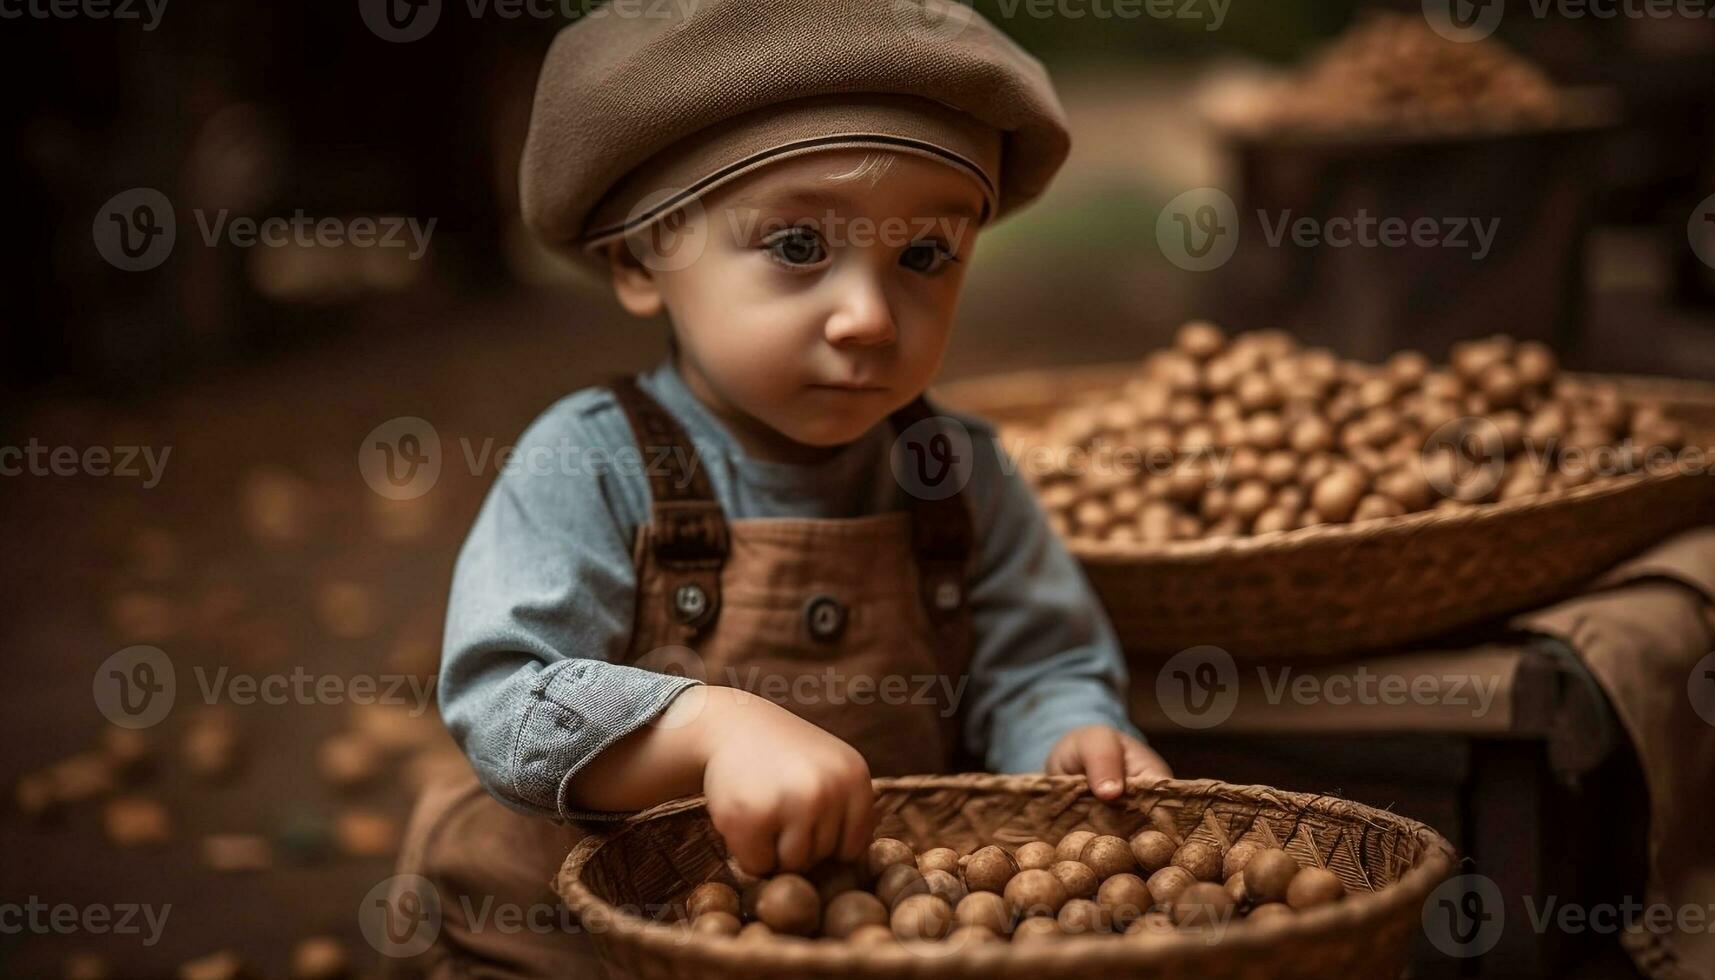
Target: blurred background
(240, 383)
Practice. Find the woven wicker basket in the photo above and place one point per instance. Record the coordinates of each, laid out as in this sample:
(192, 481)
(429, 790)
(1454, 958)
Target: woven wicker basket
(1333, 590)
(1388, 863)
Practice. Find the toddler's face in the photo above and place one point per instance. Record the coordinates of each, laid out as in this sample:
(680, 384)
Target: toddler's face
(822, 296)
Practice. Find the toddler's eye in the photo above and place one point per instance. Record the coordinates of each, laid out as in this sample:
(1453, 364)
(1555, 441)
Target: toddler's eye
(796, 246)
(926, 257)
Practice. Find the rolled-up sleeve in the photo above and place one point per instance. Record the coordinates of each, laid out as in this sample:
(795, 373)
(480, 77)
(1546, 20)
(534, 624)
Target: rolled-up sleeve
(539, 616)
(1045, 659)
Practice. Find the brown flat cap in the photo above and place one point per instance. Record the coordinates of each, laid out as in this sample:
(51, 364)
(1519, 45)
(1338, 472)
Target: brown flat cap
(641, 106)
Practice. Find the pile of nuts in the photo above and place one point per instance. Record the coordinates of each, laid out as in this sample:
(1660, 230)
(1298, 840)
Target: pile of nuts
(1253, 434)
(1393, 70)
(1086, 884)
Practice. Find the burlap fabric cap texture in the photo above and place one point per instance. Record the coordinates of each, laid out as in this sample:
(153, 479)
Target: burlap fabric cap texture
(641, 108)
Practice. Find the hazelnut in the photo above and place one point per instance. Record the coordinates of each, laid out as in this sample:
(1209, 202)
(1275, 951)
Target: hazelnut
(1166, 884)
(945, 886)
(1375, 506)
(885, 851)
(788, 903)
(850, 911)
(1249, 499)
(1272, 910)
(712, 896)
(1200, 339)
(1535, 363)
(1256, 392)
(716, 923)
(1268, 874)
(1125, 897)
(1275, 519)
(1072, 845)
(1265, 431)
(1500, 385)
(1202, 860)
(1036, 930)
(1311, 434)
(754, 932)
(1312, 887)
(1081, 916)
(922, 917)
(899, 881)
(989, 869)
(1151, 924)
(938, 859)
(1107, 856)
(1035, 855)
(968, 935)
(1407, 368)
(1079, 879)
(986, 910)
(1034, 892)
(1202, 905)
(1335, 496)
(1152, 849)
(1238, 856)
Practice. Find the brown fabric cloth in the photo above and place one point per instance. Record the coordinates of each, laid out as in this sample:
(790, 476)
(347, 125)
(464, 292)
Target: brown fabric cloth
(1643, 629)
(621, 91)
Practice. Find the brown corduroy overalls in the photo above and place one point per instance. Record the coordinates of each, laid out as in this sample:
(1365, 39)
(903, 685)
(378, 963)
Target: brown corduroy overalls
(858, 625)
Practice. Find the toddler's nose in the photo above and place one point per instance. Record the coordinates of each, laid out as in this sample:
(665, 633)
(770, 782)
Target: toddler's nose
(863, 317)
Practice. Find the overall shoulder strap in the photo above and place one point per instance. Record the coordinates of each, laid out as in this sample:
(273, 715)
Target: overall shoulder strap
(688, 530)
(940, 529)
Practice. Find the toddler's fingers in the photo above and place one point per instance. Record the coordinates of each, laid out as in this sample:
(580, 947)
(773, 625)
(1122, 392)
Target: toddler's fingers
(1103, 761)
(828, 832)
(1142, 762)
(795, 841)
(753, 847)
(859, 821)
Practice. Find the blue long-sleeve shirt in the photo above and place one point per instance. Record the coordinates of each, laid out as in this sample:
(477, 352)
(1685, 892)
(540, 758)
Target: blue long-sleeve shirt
(539, 619)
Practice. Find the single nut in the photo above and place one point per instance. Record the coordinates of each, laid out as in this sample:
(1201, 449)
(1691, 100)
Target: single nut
(1107, 856)
(850, 911)
(1035, 855)
(1034, 892)
(871, 935)
(989, 869)
(886, 851)
(1125, 897)
(1238, 856)
(1072, 845)
(898, 882)
(788, 903)
(939, 858)
(1202, 860)
(1268, 874)
(945, 886)
(986, 910)
(1272, 910)
(922, 917)
(716, 923)
(1200, 339)
(1079, 879)
(1081, 916)
(1166, 884)
(1312, 887)
(1037, 930)
(1152, 849)
(1202, 905)
(712, 896)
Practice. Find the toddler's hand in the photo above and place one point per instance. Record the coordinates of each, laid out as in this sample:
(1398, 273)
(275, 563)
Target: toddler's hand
(1107, 756)
(782, 792)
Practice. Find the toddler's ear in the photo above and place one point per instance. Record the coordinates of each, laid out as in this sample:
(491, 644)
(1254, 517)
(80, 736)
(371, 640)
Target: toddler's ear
(633, 282)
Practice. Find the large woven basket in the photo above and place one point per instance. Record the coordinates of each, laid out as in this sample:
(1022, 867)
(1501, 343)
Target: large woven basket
(626, 885)
(1333, 590)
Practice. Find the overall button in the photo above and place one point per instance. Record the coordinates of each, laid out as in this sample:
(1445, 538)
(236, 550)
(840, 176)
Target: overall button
(690, 602)
(825, 617)
(947, 595)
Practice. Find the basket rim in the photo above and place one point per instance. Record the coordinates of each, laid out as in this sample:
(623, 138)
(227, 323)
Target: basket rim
(1357, 911)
